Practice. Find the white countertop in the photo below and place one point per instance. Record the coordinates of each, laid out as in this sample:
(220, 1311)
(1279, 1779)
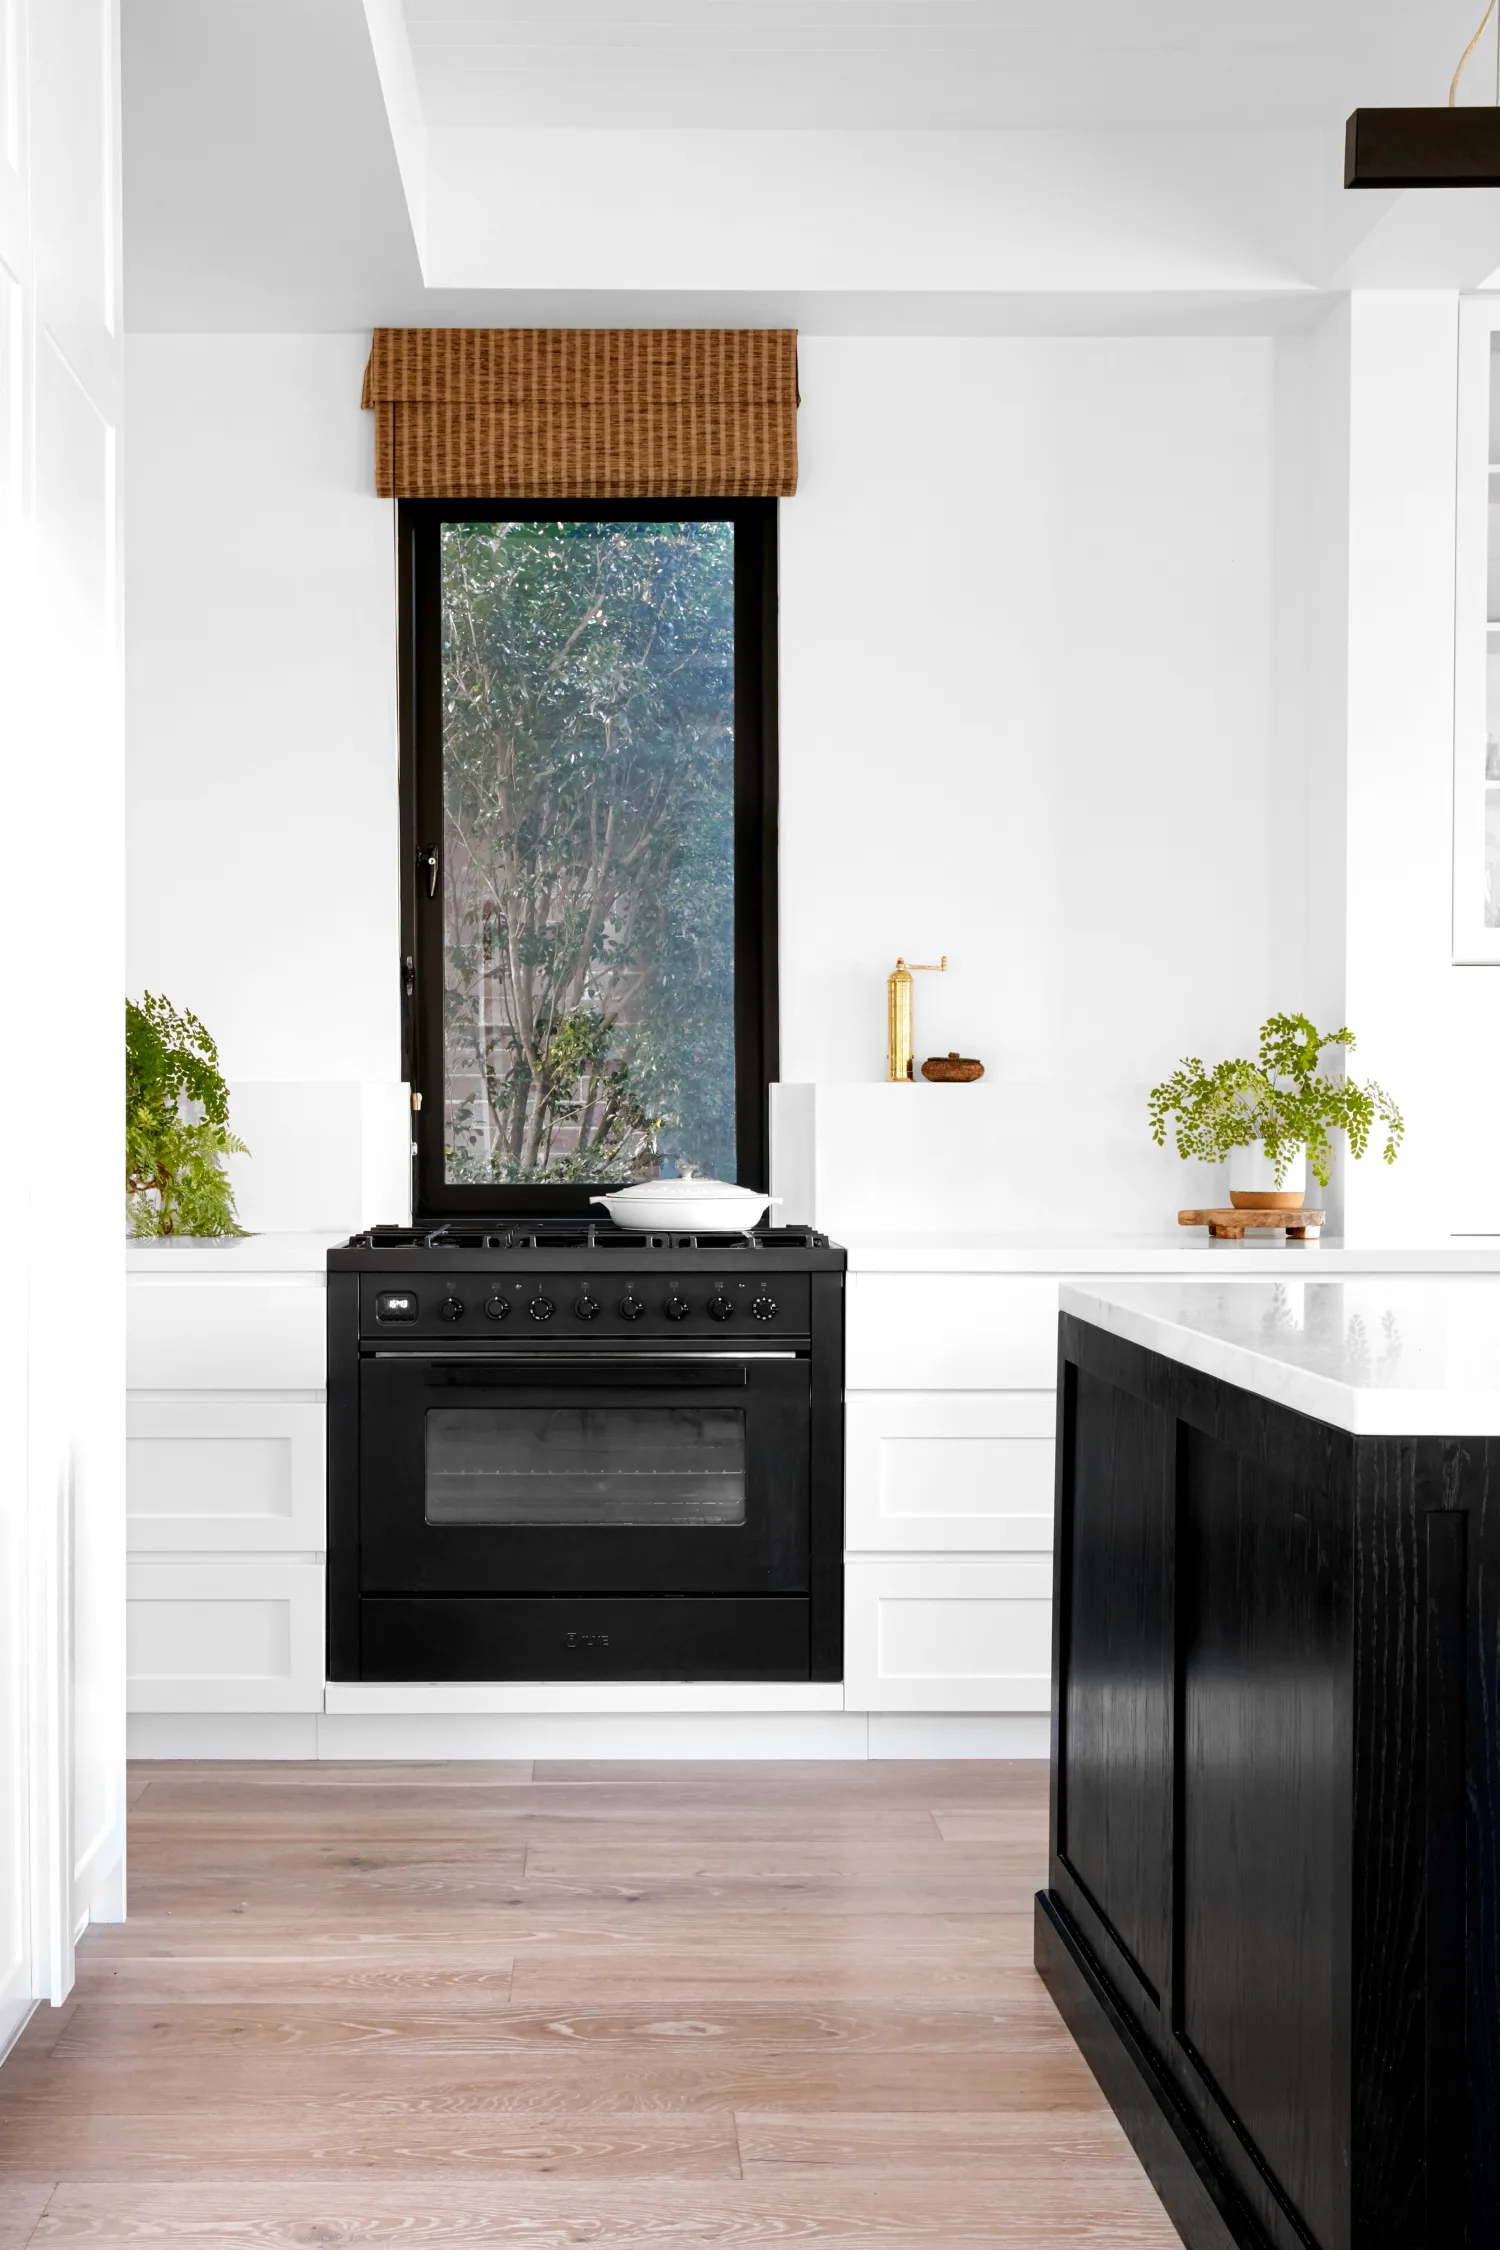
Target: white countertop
(1182, 1251)
(1393, 1358)
(185, 1257)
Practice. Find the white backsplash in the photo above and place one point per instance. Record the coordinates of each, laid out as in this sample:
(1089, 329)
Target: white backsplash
(999, 1157)
(325, 1156)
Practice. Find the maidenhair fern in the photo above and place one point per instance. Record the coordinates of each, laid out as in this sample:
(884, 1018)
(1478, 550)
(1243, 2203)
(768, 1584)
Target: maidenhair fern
(176, 1125)
(1282, 1101)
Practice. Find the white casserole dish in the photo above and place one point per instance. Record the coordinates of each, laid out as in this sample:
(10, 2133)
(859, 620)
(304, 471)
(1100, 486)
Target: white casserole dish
(685, 1207)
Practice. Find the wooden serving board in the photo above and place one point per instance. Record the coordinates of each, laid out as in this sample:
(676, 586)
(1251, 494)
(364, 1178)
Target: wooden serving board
(1229, 1225)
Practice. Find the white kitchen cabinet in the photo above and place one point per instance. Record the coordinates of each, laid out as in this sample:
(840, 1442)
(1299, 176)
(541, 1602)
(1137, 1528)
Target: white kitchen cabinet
(948, 1634)
(226, 1332)
(225, 1454)
(224, 1635)
(935, 1471)
(951, 1331)
(951, 1406)
(225, 1475)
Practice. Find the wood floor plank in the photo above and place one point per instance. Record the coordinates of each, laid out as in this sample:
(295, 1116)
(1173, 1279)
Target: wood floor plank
(969, 1781)
(22, 2203)
(323, 1774)
(355, 1813)
(47, 2025)
(647, 2007)
(383, 2102)
(710, 1858)
(979, 1824)
(664, 2215)
(1034, 2071)
(288, 2139)
(612, 1941)
(403, 1879)
(128, 2033)
(454, 1936)
(699, 1977)
(1013, 2144)
(298, 1980)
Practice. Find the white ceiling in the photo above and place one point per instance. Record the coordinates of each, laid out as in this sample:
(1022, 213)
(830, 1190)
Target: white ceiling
(263, 188)
(933, 63)
(260, 178)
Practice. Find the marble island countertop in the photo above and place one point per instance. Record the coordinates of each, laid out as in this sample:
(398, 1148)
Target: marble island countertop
(1394, 1357)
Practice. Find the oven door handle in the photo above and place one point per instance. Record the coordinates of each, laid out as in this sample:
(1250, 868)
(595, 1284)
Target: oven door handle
(658, 1371)
(583, 1359)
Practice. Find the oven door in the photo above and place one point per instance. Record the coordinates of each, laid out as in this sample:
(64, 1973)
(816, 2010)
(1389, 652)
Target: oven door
(642, 1473)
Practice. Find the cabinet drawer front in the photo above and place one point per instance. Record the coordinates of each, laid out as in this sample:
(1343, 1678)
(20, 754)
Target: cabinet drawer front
(949, 1635)
(224, 1636)
(931, 1331)
(239, 1478)
(240, 1333)
(942, 1470)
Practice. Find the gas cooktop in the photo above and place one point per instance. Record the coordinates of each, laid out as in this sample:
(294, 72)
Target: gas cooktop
(573, 1234)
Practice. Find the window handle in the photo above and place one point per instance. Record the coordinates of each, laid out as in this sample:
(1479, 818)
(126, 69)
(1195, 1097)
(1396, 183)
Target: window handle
(408, 975)
(429, 860)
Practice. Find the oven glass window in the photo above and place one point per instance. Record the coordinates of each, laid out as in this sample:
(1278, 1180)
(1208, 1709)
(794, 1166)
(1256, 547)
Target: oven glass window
(654, 1467)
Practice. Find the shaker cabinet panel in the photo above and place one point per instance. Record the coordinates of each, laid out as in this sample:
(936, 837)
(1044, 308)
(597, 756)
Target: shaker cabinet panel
(951, 1331)
(1263, 1652)
(942, 1470)
(243, 1333)
(1114, 1811)
(245, 1477)
(224, 1636)
(948, 1635)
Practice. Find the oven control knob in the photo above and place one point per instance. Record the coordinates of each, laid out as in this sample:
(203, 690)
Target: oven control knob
(451, 1308)
(764, 1308)
(541, 1308)
(676, 1308)
(631, 1307)
(587, 1307)
(497, 1308)
(719, 1308)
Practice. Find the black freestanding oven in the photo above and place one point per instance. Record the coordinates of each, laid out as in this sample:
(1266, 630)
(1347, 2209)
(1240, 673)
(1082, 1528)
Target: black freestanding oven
(560, 1451)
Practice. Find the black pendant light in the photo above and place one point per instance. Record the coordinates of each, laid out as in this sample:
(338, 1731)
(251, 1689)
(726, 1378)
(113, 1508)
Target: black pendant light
(1426, 148)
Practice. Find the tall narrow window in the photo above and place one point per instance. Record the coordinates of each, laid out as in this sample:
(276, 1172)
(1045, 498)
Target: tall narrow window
(590, 845)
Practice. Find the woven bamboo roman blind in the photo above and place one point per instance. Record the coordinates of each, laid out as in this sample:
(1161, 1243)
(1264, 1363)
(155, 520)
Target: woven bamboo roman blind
(583, 413)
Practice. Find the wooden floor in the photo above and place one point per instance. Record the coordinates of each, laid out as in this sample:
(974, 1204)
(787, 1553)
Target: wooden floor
(656, 2005)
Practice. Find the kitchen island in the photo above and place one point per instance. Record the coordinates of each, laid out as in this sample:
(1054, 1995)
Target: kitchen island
(1272, 1919)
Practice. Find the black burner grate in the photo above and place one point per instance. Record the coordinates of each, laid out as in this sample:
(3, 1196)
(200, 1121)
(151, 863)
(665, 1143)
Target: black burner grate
(574, 1234)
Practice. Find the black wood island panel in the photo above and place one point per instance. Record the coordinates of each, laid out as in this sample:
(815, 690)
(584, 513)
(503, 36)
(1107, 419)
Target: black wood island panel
(1272, 1920)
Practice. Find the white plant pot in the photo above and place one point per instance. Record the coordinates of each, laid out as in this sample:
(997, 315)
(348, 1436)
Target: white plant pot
(1253, 1175)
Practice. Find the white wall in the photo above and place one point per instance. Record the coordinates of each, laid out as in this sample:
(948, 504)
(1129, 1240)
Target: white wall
(1032, 717)
(262, 749)
(1428, 1030)
(1131, 210)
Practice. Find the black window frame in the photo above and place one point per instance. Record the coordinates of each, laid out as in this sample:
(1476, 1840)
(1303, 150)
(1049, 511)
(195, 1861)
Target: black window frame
(756, 967)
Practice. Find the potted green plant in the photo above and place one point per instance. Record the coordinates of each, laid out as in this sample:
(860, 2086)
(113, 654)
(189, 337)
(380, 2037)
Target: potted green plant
(1279, 1107)
(176, 1125)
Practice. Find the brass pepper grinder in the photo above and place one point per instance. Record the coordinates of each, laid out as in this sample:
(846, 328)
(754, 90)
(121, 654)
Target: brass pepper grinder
(898, 1018)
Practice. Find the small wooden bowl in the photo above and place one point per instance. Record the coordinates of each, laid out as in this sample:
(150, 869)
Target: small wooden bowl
(1268, 1199)
(952, 1070)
